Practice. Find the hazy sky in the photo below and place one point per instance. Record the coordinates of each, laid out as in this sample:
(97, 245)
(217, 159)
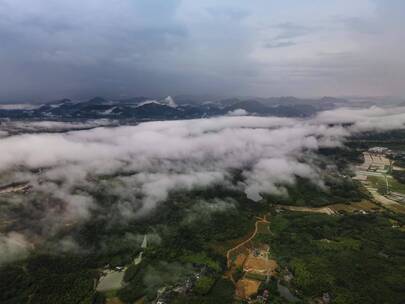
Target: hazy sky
(118, 48)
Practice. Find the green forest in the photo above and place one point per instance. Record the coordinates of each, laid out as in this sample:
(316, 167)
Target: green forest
(355, 258)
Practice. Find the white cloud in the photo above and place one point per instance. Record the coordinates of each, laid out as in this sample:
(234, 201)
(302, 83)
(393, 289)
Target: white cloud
(161, 157)
(54, 126)
(186, 154)
(18, 106)
(370, 119)
(268, 174)
(3, 133)
(238, 112)
(13, 246)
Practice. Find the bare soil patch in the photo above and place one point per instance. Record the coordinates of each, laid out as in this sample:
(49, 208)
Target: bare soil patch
(245, 288)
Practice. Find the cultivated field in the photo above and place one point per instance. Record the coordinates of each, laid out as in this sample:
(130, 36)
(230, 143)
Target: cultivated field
(245, 288)
(364, 205)
(374, 175)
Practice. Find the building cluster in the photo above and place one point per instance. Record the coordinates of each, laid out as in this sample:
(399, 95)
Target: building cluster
(263, 298)
(379, 150)
(257, 268)
(167, 293)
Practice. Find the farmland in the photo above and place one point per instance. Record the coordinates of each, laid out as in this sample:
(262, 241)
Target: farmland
(375, 175)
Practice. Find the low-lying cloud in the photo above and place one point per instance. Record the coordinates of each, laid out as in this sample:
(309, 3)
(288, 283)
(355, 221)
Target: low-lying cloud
(362, 120)
(15, 127)
(238, 112)
(149, 161)
(13, 246)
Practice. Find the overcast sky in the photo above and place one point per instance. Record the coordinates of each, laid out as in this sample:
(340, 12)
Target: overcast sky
(118, 48)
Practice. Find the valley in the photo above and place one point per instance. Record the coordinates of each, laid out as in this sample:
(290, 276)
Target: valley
(202, 152)
(146, 229)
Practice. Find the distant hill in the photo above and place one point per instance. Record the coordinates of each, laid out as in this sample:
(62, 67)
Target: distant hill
(278, 109)
(252, 106)
(143, 108)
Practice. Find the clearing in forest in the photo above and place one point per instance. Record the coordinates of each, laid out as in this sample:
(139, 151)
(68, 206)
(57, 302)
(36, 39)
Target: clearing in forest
(245, 288)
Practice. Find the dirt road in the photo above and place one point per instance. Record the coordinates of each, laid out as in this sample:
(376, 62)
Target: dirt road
(325, 210)
(228, 253)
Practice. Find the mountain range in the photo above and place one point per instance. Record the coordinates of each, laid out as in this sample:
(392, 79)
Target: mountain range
(143, 108)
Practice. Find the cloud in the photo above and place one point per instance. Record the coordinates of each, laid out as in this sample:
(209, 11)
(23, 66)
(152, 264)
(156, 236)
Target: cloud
(290, 30)
(61, 37)
(3, 134)
(268, 174)
(156, 186)
(203, 210)
(136, 168)
(18, 106)
(13, 247)
(279, 44)
(15, 126)
(371, 119)
(238, 112)
(53, 49)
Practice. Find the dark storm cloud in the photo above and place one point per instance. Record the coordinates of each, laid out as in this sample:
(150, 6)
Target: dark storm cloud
(52, 49)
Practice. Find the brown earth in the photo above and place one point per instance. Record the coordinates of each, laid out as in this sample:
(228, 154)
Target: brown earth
(245, 288)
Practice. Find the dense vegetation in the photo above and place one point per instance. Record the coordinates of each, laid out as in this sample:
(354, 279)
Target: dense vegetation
(306, 193)
(355, 258)
(399, 176)
(188, 236)
(394, 140)
(48, 279)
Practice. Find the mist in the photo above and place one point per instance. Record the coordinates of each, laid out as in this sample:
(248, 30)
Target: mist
(140, 166)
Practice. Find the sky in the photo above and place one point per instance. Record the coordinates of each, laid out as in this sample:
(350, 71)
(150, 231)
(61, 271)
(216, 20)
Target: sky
(120, 48)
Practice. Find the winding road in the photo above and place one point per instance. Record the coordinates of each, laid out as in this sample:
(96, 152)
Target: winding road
(228, 253)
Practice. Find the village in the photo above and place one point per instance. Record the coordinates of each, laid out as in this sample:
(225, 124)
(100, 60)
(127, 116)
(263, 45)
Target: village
(375, 174)
(251, 267)
(112, 279)
(257, 267)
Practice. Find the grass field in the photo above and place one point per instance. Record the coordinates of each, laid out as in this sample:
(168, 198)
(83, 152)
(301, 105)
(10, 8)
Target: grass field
(112, 280)
(396, 186)
(356, 206)
(380, 184)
